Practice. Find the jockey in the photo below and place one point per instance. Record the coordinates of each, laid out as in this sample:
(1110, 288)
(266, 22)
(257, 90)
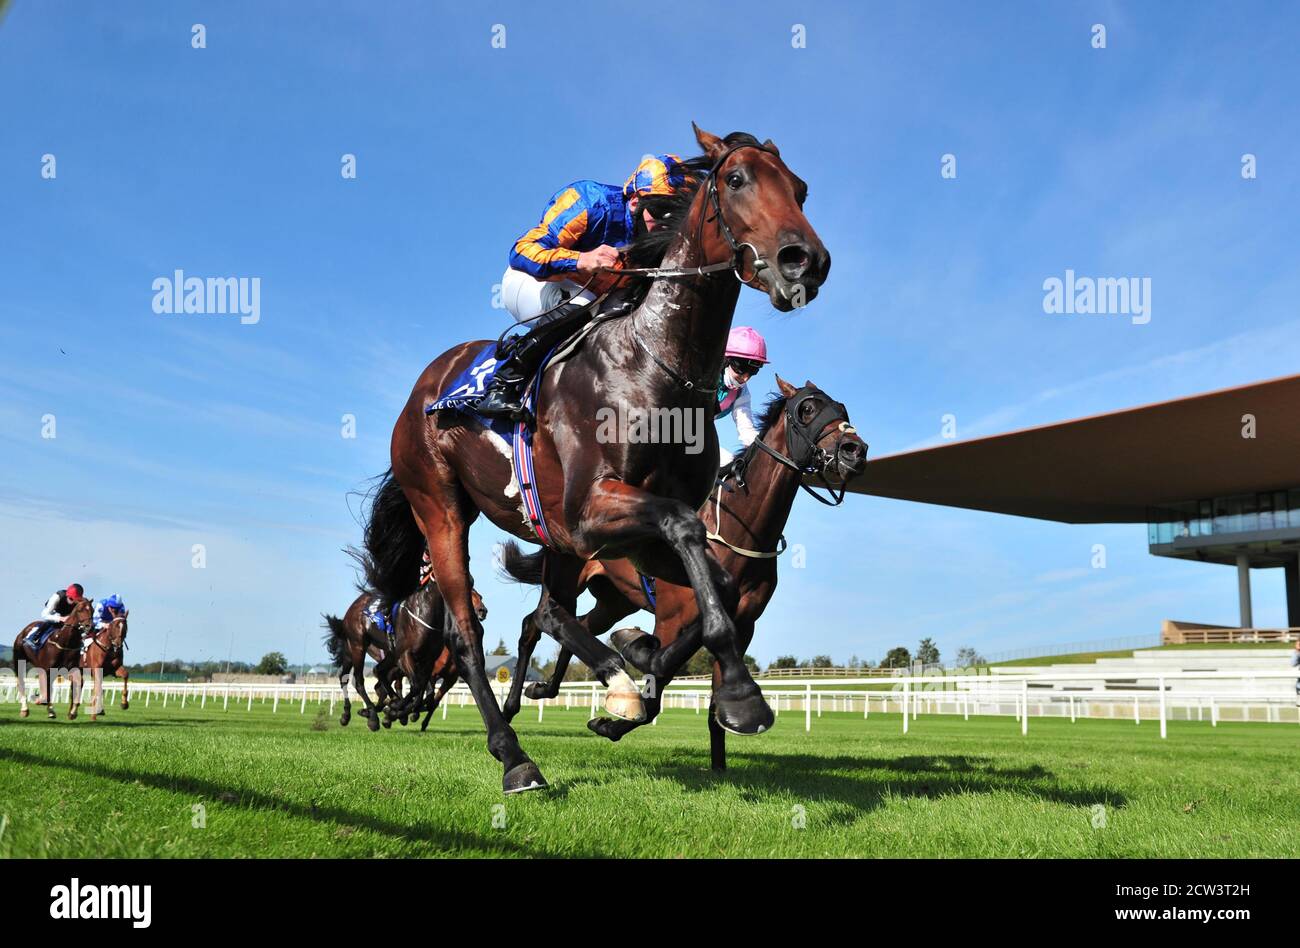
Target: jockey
(746, 353)
(109, 609)
(555, 269)
(57, 608)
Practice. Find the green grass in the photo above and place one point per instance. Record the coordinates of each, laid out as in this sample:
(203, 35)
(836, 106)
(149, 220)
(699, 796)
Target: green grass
(272, 785)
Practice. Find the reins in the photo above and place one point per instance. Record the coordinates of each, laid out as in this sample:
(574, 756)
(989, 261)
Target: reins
(735, 264)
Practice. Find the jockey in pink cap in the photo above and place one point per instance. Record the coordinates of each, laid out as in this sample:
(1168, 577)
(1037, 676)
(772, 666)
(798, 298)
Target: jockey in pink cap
(746, 353)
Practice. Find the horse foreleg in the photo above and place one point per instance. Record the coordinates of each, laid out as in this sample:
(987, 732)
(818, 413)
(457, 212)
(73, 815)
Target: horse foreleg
(20, 673)
(617, 513)
(74, 693)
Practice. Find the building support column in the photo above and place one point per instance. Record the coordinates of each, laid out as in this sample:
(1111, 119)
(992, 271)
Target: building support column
(1293, 591)
(1243, 590)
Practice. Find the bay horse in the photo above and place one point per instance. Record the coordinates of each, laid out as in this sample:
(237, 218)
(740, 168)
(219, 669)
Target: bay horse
(61, 652)
(802, 433)
(420, 654)
(739, 222)
(104, 653)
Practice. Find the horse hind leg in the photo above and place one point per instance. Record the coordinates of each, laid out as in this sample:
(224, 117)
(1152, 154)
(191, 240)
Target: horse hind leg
(344, 674)
(449, 552)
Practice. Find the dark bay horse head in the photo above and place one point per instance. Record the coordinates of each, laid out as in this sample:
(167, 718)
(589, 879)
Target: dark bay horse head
(763, 223)
(818, 433)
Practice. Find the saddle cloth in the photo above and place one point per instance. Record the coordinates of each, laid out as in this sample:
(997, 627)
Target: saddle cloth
(41, 634)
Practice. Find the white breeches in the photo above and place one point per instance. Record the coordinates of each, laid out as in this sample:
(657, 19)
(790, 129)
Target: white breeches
(525, 297)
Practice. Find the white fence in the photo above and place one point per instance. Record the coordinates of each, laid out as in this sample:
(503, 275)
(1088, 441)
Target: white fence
(1264, 696)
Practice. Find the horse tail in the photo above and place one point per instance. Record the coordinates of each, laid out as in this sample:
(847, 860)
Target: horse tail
(393, 546)
(336, 641)
(520, 567)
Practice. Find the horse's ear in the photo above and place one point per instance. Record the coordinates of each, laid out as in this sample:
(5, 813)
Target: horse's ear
(771, 146)
(786, 388)
(712, 144)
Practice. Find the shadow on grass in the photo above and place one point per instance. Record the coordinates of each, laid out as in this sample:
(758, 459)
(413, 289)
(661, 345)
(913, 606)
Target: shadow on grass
(450, 839)
(860, 784)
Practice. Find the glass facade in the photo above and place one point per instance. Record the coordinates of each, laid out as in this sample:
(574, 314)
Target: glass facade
(1244, 513)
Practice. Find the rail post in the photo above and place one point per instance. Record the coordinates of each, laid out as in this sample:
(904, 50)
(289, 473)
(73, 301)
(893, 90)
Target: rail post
(1024, 709)
(1160, 683)
(1137, 713)
(907, 694)
(807, 707)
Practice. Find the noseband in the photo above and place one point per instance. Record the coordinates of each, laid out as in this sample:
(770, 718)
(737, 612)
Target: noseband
(801, 441)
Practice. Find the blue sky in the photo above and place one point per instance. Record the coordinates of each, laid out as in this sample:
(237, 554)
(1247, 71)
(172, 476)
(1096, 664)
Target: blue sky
(181, 430)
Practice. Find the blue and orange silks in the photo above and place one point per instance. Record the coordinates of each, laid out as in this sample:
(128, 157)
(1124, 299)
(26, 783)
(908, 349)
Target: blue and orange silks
(586, 215)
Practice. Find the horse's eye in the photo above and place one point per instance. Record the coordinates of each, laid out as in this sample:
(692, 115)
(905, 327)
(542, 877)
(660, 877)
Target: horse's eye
(735, 180)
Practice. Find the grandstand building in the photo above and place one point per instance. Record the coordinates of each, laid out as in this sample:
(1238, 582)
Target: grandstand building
(1216, 478)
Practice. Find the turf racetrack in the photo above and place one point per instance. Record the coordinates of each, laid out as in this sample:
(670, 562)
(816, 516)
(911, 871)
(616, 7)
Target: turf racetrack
(154, 782)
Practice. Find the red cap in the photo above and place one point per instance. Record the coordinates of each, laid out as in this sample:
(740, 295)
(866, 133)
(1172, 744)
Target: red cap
(74, 593)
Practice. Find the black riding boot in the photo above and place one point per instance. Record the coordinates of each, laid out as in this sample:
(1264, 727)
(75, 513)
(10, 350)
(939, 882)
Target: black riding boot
(505, 393)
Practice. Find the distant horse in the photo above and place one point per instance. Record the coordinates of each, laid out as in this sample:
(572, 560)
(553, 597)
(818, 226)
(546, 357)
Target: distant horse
(739, 222)
(420, 652)
(103, 653)
(61, 652)
(803, 433)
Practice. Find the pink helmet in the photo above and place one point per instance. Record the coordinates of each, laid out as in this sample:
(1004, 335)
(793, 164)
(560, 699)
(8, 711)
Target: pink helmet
(744, 342)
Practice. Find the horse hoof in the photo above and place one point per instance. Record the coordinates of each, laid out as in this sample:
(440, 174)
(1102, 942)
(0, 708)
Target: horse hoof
(636, 646)
(92, 718)
(23, 713)
(72, 715)
(536, 690)
(605, 728)
(125, 705)
(372, 723)
(343, 721)
(623, 699)
(523, 777)
(745, 716)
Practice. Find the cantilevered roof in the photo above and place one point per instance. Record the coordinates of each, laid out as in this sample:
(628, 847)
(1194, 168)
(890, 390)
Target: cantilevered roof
(1111, 468)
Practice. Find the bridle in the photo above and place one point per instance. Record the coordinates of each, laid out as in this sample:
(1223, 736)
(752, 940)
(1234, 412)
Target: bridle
(111, 648)
(801, 440)
(807, 458)
(735, 264)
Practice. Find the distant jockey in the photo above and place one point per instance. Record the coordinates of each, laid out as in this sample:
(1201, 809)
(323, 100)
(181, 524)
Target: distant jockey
(746, 353)
(57, 608)
(581, 230)
(109, 609)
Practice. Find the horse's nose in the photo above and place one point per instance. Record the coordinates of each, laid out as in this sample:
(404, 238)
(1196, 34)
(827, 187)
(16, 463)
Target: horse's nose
(853, 453)
(794, 260)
